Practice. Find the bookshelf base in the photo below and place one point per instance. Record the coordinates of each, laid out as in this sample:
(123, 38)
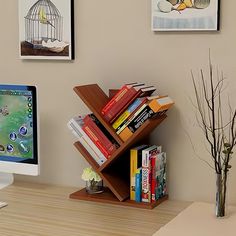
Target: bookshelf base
(108, 197)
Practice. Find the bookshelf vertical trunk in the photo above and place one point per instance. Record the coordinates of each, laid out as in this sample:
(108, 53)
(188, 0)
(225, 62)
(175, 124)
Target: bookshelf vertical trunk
(115, 171)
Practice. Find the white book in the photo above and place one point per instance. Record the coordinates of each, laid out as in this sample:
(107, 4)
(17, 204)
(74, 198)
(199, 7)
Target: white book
(75, 124)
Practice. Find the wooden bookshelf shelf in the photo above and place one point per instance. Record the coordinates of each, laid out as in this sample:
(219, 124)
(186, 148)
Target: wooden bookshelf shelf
(108, 197)
(115, 171)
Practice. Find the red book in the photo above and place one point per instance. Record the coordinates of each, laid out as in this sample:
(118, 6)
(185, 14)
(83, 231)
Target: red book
(121, 105)
(103, 139)
(117, 97)
(96, 141)
(153, 178)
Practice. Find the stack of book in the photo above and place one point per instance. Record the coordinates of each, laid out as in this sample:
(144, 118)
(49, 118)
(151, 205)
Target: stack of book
(131, 106)
(94, 137)
(147, 173)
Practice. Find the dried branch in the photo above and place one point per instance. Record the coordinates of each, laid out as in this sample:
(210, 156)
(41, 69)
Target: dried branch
(220, 135)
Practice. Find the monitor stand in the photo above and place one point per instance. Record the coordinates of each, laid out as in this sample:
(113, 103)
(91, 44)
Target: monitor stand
(6, 179)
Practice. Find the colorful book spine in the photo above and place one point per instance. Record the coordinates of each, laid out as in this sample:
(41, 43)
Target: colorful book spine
(101, 138)
(117, 95)
(135, 163)
(153, 178)
(128, 112)
(151, 109)
(104, 130)
(140, 119)
(135, 114)
(122, 102)
(138, 185)
(136, 122)
(120, 105)
(146, 172)
(161, 187)
(75, 125)
(115, 99)
(96, 141)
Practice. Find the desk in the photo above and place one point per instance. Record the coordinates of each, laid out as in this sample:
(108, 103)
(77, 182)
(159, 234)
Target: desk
(199, 220)
(44, 210)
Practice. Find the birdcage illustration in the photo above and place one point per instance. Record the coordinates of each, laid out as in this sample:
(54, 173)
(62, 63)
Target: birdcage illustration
(43, 22)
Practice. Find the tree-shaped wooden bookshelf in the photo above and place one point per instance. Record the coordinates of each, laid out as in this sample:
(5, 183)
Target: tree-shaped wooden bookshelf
(115, 171)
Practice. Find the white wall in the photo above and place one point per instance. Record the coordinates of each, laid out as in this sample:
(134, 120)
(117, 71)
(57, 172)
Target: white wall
(114, 45)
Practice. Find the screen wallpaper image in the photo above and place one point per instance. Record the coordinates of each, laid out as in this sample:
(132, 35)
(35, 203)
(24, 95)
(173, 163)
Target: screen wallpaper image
(16, 125)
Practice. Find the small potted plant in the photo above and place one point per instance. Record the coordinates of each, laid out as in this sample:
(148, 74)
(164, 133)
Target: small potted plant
(94, 183)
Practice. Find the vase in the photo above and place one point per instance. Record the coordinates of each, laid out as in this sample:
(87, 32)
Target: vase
(221, 187)
(93, 187)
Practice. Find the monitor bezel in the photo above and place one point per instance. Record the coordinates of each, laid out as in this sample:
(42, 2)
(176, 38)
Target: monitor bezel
(35, 159)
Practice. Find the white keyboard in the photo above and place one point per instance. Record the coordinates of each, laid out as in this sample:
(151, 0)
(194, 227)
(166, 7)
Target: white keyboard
(3, 204)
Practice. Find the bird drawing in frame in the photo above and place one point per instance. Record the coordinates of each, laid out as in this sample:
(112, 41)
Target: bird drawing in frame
(43, 18)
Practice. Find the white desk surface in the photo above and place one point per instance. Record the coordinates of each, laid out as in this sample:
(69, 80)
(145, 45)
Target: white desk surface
(199, 220)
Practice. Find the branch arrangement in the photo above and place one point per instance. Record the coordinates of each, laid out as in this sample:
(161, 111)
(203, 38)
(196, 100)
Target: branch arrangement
(220, 134)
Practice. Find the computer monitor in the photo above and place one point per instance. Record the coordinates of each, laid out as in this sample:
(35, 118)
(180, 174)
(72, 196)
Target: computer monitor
(18, 132)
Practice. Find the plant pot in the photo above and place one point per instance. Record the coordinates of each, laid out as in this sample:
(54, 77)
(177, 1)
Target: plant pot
(94, 187)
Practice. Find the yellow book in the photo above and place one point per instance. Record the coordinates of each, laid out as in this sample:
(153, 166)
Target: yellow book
(128, 112)
(160, 104)
(135, 163)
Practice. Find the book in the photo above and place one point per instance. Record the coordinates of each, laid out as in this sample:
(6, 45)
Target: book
(96, 141)
(75, 125)
(135, 163)
(161, 187)
(146, 172)
(162, 103)
(131, 108)
(99, 135)
(117, 96)
(136, 113)
(155, 166)
(126, 122)
(136, 122)
(153, 107)
(104, 131)
(142, 91)
(138, 185)
(121, 105)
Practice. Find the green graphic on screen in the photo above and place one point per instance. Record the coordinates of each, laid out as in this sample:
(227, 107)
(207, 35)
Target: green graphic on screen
(16, 121)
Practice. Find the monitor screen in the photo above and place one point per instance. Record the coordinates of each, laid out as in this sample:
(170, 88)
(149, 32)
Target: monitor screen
(18, 124)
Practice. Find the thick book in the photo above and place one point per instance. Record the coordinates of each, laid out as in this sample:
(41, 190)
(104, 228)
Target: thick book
(121, 105)
(134, 114)
(138, 185)
(96, 141)
(146, 172)
(128, 131)
(125, 115)
(160, 104)
(103, 130)
(142, 91)
(154, 107)
(75, 125)
(117, 96)
(135, 163)
(99, 135)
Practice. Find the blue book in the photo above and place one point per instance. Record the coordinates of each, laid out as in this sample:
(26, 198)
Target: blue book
(138, 185)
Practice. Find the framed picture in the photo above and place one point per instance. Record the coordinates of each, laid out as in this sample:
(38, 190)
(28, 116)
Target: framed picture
(46, 29)
(185, 15)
